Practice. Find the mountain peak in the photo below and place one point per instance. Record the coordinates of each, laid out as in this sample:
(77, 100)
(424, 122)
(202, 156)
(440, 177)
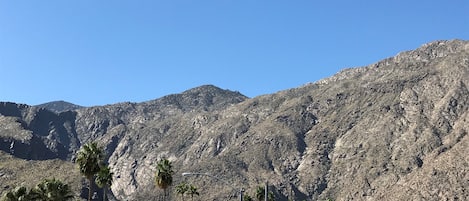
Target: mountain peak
(59, 106)
(211, 90)
(205, 97)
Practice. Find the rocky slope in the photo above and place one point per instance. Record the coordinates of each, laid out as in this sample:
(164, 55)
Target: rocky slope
(394, 130)
(37, 133)
(28, 173)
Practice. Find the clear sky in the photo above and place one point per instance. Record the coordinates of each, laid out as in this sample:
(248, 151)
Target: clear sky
(96, 52)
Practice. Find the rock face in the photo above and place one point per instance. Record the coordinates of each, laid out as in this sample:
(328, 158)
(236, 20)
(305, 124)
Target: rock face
(37, 133)
(394, 130)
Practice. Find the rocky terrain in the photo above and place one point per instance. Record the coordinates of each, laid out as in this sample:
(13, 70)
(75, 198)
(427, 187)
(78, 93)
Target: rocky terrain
(28, 173)
(59, 106)
(393, 130)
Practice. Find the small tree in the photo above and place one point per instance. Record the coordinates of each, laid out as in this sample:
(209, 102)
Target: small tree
(181, 189)
(270, 196)
(192, 191)
(18, 194)
(247, 198)
(104, 179)
(260, 193)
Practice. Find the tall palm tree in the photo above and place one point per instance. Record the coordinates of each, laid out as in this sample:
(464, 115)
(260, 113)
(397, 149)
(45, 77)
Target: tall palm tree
(17, 194)
(181, 189)
(88, 159)
(192, 191)
(164, 175)
(51, 190)
(104, 179)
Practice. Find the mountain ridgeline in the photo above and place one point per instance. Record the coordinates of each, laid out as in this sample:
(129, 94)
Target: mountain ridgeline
(393, 130)
(59, 106)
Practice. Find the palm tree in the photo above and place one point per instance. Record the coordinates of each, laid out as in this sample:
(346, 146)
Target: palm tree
(182, 188)
(17, 194)
(192, 191)
(88, 159)
(51, 190)
(247, 198)
(164, 175)
(104, 179)
(260, 193)
(270, 196)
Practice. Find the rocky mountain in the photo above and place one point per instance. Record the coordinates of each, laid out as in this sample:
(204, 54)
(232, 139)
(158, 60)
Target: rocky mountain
(59, 106)
(393, 130)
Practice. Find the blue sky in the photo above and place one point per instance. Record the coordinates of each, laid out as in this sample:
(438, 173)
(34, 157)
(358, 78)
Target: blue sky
(96, 52)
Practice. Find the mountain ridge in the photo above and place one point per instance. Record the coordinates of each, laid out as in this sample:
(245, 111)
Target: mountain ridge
(59, 106)
(396, 129)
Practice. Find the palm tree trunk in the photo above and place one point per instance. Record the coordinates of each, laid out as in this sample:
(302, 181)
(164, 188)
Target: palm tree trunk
(90, 188)
(104, 192)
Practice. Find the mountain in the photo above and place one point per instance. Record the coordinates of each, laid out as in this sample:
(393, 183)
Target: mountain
(59, 106)
(393, 130)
